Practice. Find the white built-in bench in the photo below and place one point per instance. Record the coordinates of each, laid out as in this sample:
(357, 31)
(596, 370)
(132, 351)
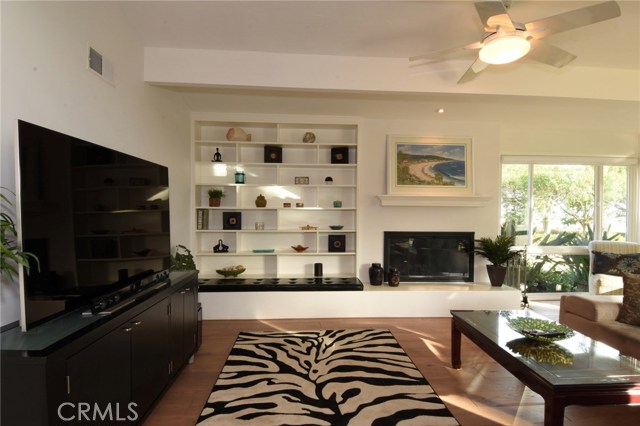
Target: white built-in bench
(406, 300)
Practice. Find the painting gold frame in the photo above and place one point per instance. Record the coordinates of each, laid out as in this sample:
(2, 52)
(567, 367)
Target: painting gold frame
(439, 166)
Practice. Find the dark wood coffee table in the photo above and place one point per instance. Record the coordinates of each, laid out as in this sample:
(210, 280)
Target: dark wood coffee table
(573, 371)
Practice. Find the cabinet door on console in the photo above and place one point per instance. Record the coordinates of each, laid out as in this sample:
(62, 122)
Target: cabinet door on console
(176, 325)
(190, 319)
(100, 376)
(183, 325)
(150, 354)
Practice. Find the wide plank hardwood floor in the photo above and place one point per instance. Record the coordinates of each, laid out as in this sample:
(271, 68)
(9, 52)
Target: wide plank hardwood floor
(482, 393)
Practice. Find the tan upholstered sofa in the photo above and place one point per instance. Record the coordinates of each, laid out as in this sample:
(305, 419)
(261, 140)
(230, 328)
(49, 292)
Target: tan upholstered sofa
(595, 314)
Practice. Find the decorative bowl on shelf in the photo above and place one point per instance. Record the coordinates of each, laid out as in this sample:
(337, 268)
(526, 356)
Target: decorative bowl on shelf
(299, 248)
(336, 227)
(233, 271)
(540, 330)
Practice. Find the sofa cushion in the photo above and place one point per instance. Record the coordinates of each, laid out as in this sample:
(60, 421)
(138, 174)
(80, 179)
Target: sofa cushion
(592, 308)
(623, 337)
(615, 263)
(630, 310)
(595, 317)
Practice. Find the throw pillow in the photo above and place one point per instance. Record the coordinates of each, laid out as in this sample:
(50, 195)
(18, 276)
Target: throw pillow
(630, 311)
(615, 263)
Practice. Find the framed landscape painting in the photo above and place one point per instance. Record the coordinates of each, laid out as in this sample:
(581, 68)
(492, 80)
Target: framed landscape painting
(429, 166)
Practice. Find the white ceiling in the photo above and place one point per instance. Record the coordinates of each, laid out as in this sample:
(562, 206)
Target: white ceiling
(393, 29)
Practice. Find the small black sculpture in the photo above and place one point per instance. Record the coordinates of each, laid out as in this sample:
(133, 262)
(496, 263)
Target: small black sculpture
(217, 157)
(220, 248)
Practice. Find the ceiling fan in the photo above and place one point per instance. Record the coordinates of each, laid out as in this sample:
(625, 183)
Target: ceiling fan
(506, 41)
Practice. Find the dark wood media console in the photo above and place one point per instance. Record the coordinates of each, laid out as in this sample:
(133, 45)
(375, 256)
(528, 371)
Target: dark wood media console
(100, 369)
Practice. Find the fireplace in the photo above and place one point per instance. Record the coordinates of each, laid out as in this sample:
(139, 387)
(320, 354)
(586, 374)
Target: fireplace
(430, 256)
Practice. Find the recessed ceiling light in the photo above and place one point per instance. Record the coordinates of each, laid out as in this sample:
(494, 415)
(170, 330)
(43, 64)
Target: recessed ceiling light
(440, 110)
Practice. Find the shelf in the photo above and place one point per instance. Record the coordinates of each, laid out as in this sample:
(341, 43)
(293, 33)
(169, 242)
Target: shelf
(262, 185)
(260, 144)
(274, 209)
(279, 165)
(273, 231)
(432, 201)
(277, 253)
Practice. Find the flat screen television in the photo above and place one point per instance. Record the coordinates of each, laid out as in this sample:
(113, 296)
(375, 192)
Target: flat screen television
(96, 218)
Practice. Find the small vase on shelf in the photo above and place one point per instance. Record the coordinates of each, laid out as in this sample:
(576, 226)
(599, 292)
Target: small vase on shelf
(376, 274)
(261, 201)
(394, 277)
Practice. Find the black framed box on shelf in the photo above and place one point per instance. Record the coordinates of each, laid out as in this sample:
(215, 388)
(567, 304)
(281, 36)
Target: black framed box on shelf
(231, 220)
(272, 154)
(337, 243)
(340, 155)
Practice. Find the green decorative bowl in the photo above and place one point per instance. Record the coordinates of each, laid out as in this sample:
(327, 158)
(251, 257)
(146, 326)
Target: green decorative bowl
(539, 329)
(230, 273)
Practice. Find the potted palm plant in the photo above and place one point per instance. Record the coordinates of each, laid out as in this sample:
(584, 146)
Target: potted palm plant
(215, 195)
(498, 252)
(11, 256)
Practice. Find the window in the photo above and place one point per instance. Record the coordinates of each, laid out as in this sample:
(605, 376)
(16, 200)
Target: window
(555, 206)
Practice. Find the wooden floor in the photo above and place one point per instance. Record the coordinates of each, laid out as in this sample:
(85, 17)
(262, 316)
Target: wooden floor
(482, 393)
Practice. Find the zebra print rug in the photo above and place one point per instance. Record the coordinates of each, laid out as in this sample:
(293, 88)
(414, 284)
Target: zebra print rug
(330, 377)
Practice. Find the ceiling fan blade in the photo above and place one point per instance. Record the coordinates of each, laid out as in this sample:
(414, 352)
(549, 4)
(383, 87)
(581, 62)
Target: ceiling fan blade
(549, 54)
(574, 19)
(476, 68)
(493, 13)
(434, 54)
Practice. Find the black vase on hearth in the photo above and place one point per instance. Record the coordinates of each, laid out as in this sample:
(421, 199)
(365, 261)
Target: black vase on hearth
(376, 274)
(394, 277)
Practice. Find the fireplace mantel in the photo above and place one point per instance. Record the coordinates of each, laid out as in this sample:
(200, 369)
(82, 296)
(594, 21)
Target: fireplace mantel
(432, 201)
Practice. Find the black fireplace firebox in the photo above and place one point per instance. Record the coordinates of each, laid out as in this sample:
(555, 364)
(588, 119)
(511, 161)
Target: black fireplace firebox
(430, 256)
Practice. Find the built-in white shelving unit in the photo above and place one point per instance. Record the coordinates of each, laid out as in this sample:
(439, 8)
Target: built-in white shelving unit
(268, 252)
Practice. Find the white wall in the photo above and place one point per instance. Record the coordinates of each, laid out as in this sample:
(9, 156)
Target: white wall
(45, 81)
(497, 126)
(374, 219)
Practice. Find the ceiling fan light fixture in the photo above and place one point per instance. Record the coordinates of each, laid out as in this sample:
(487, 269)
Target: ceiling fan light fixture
(503, 49)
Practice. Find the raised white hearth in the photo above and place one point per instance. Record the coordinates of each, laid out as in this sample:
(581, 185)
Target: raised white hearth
(407, 300)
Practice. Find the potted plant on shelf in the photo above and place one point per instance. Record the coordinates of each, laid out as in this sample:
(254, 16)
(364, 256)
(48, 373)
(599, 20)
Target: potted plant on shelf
(497, 251)
(215, 195)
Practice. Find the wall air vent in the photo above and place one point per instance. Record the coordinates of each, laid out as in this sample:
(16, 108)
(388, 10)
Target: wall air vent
(100, 65)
